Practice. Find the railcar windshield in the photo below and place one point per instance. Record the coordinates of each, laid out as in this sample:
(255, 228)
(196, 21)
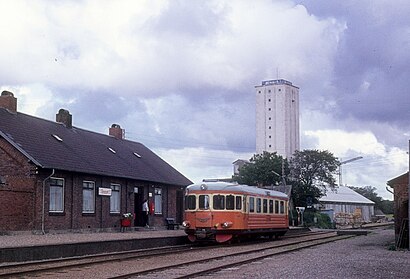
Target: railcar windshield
(238, 202)
(203, 202)
(219, 202)
(230, 202)
(190, 202)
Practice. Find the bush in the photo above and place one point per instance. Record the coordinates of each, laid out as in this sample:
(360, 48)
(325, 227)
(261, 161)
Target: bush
(318, 220)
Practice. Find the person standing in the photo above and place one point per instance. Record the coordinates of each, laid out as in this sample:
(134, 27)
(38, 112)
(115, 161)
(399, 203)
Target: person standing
(145, 212)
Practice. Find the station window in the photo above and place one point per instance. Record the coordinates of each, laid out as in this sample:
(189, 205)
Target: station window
(88, 196)
(203, 202)
(158, 200)
(230, 202)
(251, 204)
(265, 206)
(258, 205)
(270, 206)
(276, 207)
(115, 198)
(219, 202)
(56, 195)
(282, 207)
(190, 202)
(238, 202)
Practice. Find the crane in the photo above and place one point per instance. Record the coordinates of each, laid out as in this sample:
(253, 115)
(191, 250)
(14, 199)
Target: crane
(345, 162)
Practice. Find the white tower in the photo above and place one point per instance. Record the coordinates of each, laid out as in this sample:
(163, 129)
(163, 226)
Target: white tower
(277, 117)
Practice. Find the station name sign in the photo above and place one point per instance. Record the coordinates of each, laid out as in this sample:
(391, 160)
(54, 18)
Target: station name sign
(104, 191)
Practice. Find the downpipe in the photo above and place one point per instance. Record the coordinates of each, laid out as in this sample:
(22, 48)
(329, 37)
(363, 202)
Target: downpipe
(44, 202)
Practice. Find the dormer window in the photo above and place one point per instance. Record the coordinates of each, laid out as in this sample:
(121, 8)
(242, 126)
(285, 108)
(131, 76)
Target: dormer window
(136, 154)
(112, 150)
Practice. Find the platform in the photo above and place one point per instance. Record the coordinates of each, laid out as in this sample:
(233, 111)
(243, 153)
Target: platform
(29, 247)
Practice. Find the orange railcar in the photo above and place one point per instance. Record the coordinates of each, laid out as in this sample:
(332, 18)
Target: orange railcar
(220, 211)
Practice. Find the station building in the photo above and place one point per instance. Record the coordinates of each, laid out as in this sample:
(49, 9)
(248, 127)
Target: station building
(400, 187)
(55, 176)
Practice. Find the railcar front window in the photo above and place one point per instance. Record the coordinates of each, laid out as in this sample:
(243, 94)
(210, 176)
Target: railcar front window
(219, 202)
(251, 204)
(258, 205)
(230, 202)
(265, 206)
(271, 206)
(190, 202)
(203, 202)
(282, 207)
(238, 202)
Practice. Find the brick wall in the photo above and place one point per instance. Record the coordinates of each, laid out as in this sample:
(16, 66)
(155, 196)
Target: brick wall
(21, 198)
(17, 196)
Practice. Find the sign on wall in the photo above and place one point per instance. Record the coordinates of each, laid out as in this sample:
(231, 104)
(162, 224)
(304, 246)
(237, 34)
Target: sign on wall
(104, 191)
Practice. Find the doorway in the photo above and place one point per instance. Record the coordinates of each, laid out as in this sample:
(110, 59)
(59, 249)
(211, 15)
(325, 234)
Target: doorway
(138, 200)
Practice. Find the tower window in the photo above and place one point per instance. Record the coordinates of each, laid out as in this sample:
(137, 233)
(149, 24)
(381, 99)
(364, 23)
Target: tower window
(270, 137)
(269, 91)
(269, 109)
(270, 118)
(268, 100)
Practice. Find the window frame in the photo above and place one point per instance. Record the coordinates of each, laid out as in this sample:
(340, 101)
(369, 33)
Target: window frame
(158, 200)
(62, 187)
(92, 198)
(115, 188)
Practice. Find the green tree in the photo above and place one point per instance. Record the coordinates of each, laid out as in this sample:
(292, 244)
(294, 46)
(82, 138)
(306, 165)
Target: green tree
(263, 169)
(310, 172)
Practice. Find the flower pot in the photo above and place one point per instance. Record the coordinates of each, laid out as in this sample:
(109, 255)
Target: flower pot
(125, 223)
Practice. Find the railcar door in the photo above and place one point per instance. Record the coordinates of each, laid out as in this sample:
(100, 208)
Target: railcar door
(203, 216)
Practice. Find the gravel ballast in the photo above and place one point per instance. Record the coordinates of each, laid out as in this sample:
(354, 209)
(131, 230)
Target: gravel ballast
(357, 257)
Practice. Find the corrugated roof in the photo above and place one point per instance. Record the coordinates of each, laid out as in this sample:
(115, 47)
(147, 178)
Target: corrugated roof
(51, 145)
(344, 194)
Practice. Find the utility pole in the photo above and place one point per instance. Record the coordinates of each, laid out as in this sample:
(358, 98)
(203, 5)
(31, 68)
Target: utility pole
(345, 162)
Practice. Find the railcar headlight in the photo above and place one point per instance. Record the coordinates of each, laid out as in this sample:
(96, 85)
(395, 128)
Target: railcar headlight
(186, 224)
(227, 224)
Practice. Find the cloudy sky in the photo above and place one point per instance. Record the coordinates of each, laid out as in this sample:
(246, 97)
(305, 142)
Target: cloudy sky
(179, 76)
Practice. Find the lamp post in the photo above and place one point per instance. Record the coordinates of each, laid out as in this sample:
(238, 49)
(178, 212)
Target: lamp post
(345, 162)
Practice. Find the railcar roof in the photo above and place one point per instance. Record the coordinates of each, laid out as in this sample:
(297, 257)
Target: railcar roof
(233, 187)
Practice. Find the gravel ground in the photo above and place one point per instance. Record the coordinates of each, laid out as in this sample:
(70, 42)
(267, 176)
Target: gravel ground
(359, 257)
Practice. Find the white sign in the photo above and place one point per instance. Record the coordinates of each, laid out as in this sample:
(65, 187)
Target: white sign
(136, 190)
(104, 191)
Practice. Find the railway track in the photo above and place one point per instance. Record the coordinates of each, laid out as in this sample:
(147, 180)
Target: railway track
(163, 262)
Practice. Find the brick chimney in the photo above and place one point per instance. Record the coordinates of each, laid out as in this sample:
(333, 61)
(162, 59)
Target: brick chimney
(8, 101)
(116, 131)
(63, 116)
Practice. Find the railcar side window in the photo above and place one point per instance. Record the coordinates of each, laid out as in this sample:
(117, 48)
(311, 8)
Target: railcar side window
(190, 202)
(203, 202)
(265, 206)
(251, 204)
(219, 202)
(277, 207)
(258, 205)
(282, 207)
(271, 206)
(230, 202)
(238, 202)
